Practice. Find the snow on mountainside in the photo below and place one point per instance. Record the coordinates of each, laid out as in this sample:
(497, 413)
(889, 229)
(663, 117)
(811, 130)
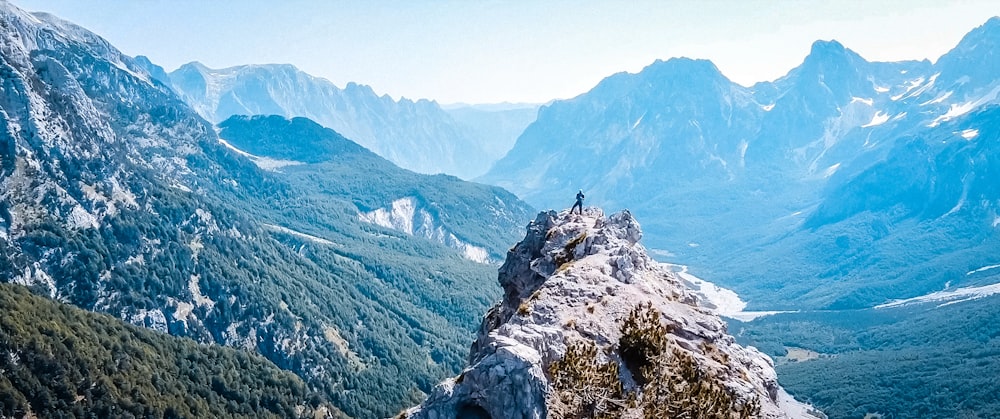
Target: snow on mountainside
(117, 197)
(836, 144)
(576, 281)
(417, 135)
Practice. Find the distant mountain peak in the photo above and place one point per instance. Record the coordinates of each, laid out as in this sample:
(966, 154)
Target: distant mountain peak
(832, 68)
(976, 58)
(827, 53)
(195, 65)
(683, 65)
(986, 34)
(821, 47)
(991, 25)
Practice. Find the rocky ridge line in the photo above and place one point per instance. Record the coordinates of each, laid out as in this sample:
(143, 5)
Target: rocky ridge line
(573, 280)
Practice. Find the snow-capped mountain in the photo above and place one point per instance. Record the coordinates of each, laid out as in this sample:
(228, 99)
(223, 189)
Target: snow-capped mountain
(733, 180)
(117, 197)
(417, 135)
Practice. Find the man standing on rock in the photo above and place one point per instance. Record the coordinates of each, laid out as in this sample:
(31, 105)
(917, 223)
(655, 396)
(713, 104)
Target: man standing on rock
(579, 202)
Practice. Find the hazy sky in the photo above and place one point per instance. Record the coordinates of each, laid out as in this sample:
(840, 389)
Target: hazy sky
(517, 51)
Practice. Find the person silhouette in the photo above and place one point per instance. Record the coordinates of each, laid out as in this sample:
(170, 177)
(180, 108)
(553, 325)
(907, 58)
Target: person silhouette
(579, 202)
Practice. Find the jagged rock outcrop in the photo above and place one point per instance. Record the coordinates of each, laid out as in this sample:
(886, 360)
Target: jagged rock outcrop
(573, 282)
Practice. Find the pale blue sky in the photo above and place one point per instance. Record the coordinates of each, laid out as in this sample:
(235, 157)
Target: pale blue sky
(517, 51)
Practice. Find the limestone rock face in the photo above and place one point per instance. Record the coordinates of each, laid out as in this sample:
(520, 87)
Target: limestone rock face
(574, 279)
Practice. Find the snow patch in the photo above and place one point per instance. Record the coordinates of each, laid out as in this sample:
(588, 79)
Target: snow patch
(969, 134)
(767, 108)
(234, 148)
(881, 89)
(743, 152)
(948, 297)
(878, 119)
(961, 200)
(868, 101)
(954, 111)
(181, 187)
(272, 165)
(938, 99)
(917, 87)
(204, 216)
(957, 110)
(831, 170)
(299, 234)
(637, 121)
(983, 269)
(912, 84)
(266, 163)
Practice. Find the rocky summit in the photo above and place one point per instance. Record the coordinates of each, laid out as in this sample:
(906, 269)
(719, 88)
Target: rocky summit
(591, 326)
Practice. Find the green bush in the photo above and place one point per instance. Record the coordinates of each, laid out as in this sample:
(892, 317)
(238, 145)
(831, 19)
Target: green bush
(669, 382)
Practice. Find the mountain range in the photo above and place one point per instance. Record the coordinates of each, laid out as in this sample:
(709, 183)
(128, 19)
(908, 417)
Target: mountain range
(118, 197)
(417, 135)
(796, 192)
(853, 204)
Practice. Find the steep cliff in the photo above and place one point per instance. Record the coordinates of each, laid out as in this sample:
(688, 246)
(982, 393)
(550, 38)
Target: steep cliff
(591, 326)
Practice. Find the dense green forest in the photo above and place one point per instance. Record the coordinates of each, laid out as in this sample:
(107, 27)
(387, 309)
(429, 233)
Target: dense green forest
(60, 361)
(231, 254)
(339, 170)
(369, 317)
(918, 361)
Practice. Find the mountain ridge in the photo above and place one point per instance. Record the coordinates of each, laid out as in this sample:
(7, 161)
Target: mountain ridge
(582, 281)
(117, 197)
(768, 155)
(416, 134)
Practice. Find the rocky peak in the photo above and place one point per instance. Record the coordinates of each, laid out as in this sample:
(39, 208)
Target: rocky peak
(971, 68)
(590, 325)
(835, 69)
